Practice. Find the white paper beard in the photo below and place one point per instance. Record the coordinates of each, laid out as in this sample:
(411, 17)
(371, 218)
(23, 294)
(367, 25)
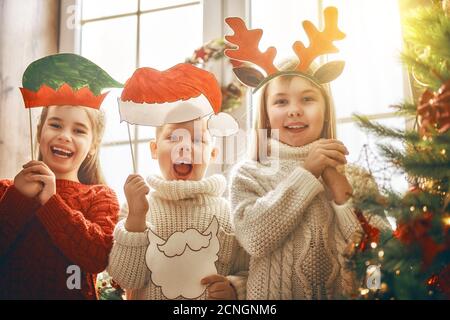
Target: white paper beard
(178, 264)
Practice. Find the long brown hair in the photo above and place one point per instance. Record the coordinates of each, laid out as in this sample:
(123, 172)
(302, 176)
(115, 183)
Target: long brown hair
(262, 118)
(89, 171)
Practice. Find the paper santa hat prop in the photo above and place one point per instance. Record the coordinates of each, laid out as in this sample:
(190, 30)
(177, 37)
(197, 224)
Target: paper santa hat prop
(182, 93)
(321, 42)
(65, 79)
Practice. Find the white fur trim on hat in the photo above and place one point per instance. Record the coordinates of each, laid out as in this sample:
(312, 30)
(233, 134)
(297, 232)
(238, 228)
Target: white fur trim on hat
(158, 114)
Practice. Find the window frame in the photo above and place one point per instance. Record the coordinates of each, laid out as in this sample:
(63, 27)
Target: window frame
(214, 26)
(70, 39)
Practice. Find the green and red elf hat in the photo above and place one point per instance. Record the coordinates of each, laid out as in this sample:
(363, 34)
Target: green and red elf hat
(181, 93)
(65, 79)
(320, 43)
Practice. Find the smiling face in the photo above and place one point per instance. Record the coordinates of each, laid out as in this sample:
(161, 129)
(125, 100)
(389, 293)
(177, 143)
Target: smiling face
(296, 108)
(65, 140)
(183, 150)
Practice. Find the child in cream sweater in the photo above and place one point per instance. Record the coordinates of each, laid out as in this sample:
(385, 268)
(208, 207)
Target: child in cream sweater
(175, 239)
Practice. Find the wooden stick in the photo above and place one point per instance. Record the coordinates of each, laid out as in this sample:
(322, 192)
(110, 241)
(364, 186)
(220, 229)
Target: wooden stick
(131, 148)
(31, 134)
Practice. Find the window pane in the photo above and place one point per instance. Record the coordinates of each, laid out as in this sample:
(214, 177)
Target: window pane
(102, 8)
(116, 165)
(107, 43)
(147, 165)
(114, 130)
(354, 139)
(372, 79)
(281, 23)
(112, 45)
(168, 37)
(155, 4)
(146, 132)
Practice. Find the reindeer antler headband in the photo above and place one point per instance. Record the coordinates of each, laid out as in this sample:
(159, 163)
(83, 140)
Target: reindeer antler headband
(321, 42)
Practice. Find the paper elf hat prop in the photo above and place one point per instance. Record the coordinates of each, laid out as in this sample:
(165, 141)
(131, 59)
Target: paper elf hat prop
(65, 79)
(321, 42)
(181, 93)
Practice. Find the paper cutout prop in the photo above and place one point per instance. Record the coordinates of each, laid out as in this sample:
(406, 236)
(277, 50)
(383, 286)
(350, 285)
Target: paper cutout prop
(180, 263)
(182, 93)
(65, 79)
(321, 42)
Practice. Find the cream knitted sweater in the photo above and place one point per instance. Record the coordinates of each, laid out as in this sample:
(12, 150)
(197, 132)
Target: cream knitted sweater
(295, 236)
(177, 206)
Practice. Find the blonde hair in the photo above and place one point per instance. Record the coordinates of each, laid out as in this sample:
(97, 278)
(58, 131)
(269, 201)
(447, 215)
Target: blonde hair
(262, 118)
(89, 171)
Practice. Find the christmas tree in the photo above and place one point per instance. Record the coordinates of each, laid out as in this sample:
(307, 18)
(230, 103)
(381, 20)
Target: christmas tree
(414, 258)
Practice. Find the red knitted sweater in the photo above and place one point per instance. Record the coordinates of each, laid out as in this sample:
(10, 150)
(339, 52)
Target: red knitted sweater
(39, 243)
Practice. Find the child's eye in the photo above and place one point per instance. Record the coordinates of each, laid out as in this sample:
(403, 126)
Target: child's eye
(308, 99)
(198, 141)
(79, 131)
(280, 102)
(174, 138)
(54, 125)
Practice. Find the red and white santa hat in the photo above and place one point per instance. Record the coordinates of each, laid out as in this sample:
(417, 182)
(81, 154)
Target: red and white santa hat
(181, 93)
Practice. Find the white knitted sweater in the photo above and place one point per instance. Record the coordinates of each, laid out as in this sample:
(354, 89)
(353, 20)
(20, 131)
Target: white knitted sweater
(295, 236)
(177, 206)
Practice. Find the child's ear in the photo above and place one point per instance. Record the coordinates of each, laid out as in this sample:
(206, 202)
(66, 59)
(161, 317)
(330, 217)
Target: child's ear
(154, 148)
(214, 153)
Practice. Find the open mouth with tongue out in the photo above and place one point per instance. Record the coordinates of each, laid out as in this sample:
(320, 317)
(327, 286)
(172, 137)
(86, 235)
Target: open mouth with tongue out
(182, 168)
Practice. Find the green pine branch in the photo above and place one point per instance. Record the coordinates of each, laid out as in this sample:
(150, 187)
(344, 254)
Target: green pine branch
(380, 130)
(427, 55)
(421, 71)
(421, 164)
(405, 109)
(427, 45)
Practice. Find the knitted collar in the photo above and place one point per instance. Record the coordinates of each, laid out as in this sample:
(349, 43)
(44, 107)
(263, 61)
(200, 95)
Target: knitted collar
(63, 183)
(287, 152)
(214, 185)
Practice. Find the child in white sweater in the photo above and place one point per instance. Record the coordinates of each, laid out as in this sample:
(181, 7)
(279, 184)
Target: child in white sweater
(175, 239)
(290, 206)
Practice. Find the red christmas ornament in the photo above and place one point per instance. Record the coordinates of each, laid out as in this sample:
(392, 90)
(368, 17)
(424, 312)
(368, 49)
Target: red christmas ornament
(434, 109)
(417, 231)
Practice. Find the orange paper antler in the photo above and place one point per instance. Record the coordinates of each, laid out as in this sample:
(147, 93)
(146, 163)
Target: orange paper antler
(247, 41)
(320, 42)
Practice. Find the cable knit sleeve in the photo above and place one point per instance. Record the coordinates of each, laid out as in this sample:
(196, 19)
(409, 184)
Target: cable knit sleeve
(15, 211)
(239, 272)
(346, 218)
(127, 259)
(86, 239)
(262, 219)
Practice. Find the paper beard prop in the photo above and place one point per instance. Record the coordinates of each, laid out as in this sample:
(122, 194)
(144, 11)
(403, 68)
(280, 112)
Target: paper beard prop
(181, 93)
(179, 264)
(321, 42)
(65, 79)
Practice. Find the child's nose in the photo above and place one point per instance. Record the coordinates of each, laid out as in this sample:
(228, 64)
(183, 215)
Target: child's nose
(295, 113)
(295, 110)
(64, 136)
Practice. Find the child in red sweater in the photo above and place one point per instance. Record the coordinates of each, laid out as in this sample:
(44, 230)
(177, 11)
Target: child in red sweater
(57, 217)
